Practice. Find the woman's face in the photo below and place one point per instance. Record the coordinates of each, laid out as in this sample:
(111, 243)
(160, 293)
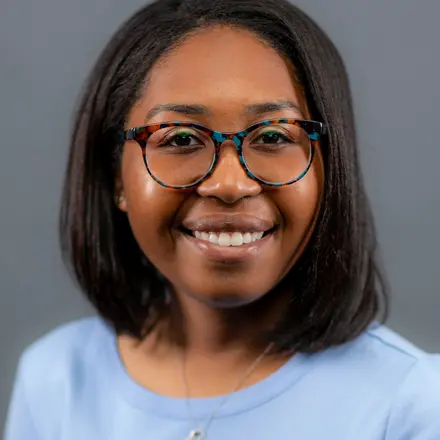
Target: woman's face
(229, 73)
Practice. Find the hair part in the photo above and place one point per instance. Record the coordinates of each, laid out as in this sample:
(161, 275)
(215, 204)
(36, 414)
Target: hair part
(336, 287)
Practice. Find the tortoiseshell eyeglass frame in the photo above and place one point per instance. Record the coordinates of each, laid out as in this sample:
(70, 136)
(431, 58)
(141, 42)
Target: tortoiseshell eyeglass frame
(314, 130)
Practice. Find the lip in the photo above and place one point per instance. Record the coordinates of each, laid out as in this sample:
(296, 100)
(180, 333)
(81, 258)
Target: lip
(228, 223)
(229, 254)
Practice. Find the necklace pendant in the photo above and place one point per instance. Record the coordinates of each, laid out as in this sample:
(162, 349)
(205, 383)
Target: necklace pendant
(196, 434)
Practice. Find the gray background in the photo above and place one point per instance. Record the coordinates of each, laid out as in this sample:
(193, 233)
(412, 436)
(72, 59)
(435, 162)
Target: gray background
(46, 50)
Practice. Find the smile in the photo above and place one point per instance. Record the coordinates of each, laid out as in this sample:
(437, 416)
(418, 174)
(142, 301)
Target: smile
(228, 238)
(229, 246)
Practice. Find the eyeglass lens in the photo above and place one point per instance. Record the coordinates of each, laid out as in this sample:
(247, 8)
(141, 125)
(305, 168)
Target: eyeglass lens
(275, 153)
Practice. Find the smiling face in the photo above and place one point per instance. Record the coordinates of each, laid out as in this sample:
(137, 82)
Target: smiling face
(229, 240)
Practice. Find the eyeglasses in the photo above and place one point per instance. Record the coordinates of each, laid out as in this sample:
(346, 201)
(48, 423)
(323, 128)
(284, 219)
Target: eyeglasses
(275, 152)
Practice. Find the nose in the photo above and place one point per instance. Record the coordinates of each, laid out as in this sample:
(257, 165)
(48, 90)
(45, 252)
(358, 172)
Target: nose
(229, 181)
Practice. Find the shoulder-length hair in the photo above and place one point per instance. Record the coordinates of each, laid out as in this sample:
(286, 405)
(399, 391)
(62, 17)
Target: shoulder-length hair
(337, 289)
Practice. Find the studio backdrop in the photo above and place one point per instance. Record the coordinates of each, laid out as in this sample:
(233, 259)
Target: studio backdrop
(47, 47)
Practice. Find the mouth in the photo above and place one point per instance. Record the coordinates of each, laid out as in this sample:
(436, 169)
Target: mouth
(227, 247)
(228, 238)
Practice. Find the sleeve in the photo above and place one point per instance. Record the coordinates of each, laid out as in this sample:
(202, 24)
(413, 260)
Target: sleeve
(416, 411)
(19, 421)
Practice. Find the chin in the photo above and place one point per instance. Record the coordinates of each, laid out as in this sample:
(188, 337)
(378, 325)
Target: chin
(227, 298)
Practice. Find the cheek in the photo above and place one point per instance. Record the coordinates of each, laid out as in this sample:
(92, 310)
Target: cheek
(300, 202)
(299, 205)
(150, 207)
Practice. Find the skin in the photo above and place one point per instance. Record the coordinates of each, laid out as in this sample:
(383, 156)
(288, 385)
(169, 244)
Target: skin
(216, 303)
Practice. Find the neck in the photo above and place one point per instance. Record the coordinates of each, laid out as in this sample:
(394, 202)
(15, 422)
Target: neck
(214, 346)
(201, 328)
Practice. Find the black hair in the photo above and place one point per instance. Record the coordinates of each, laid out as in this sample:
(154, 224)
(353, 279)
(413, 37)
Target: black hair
(337, 287)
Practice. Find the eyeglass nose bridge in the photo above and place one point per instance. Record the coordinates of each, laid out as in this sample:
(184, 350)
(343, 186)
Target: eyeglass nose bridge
(219, 138)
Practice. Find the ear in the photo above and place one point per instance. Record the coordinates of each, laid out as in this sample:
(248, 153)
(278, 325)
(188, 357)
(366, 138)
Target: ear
(121, 203)
(120, 200)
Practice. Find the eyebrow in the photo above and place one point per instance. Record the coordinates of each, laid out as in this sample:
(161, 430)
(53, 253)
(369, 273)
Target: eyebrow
(185, 109)
(202, 110)
(268, 107)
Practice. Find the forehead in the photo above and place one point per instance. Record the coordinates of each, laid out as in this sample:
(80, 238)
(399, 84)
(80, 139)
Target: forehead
(222, 67)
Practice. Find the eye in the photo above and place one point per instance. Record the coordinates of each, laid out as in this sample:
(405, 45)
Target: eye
(272, 137)
(182, 139)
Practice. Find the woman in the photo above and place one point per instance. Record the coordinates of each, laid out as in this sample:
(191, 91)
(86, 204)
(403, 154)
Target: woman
(214, 215)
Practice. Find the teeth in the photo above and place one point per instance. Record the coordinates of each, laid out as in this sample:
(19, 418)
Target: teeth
(224, 239)
(204, 235)
(247, 237)
(236, 239)
(213, 238)
(229, 239)
(257, 235)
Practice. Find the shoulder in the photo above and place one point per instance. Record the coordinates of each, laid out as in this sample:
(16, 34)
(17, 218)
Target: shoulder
(53, 369)
(62, 345)
(394, 350)
(60, 358)
(379, 353)
(395, 385)
(415, 400)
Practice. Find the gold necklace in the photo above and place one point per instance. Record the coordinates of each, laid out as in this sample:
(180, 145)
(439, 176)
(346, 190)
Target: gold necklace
(200, 433)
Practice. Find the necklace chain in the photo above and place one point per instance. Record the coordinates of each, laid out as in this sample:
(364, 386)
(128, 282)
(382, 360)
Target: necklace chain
(200, 434)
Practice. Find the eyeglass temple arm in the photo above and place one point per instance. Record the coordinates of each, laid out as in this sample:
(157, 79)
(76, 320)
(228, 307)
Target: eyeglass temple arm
(128, 135)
